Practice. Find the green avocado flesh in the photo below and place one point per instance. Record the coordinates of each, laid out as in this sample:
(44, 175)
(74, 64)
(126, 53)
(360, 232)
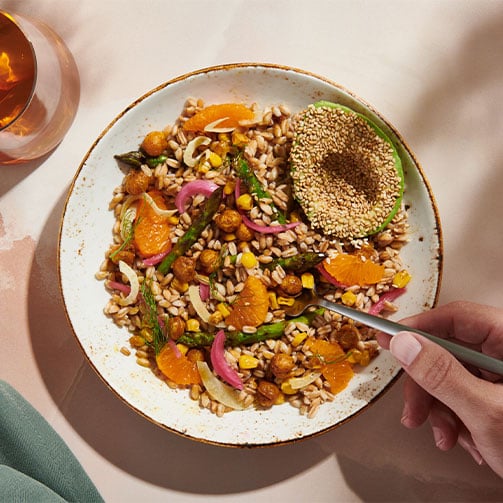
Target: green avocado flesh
(318, 209)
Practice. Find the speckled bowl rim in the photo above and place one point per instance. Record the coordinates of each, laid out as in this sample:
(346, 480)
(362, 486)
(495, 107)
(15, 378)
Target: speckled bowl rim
(261, 67)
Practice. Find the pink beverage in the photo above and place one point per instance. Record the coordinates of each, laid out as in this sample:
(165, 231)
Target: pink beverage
(39, 89)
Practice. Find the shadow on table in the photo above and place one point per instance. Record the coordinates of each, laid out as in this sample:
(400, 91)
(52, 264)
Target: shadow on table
(12, 174)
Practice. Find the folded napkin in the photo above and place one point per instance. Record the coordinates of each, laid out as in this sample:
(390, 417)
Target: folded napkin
(35, 463)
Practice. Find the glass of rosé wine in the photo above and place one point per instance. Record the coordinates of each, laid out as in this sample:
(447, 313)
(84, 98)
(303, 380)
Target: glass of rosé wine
(39, 89)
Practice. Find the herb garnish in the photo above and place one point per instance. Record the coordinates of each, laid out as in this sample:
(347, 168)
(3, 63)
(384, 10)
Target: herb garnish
(152, 320)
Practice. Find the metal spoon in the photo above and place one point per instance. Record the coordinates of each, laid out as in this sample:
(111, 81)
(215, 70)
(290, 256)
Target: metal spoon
(479, 360)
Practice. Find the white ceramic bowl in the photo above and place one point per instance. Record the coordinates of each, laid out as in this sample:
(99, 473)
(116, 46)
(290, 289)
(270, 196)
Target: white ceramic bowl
(86, 233)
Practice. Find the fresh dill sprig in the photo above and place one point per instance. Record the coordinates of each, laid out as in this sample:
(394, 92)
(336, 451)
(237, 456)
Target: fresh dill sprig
(129, 230)
(152, 318)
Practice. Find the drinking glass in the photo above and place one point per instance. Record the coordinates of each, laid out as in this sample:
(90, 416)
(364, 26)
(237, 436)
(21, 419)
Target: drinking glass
(39, 88)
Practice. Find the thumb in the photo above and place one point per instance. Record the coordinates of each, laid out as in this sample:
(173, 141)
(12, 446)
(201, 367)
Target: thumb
(439, 373)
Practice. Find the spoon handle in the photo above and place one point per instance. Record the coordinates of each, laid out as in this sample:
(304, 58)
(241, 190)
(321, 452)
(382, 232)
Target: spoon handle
(467, 355)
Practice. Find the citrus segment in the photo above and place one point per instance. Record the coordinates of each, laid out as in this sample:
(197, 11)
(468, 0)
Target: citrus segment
(152, 231)
(251, 306)
(353, 269)
(233, 113)
(335, 370)
(177, 367)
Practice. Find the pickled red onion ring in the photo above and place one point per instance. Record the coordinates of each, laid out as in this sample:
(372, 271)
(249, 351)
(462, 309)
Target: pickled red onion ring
(115, 285)
(263, 229)
(154, 259)
(204, 187)
(329, 277)
(220, 364)
(388, 296)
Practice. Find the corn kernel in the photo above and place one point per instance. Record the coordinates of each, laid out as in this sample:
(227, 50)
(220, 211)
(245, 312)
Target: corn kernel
(203, 167)
(223, 309)
(354, 356)
(180, 286)
(365, 358)
(280, 399)
(182, 348)
(248, 260)
(273, 301)
(244, 202)
(307, 280)
(400, 279)
(215, 160)
(223, 137)
(287, 389)
(299, 338)
(247, 362)
(294, 217)
(348, 298)
(173, 220)
(229, 236)
(192, 325)
(239, 139)
(229, 188)
(286, 301)
(146, 334)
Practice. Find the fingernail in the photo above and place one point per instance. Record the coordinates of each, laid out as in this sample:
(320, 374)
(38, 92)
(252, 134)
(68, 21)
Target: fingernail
(404, 347)
(472, 450)
(438, 437)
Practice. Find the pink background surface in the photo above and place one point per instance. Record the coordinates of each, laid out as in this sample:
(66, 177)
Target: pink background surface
(432, 68)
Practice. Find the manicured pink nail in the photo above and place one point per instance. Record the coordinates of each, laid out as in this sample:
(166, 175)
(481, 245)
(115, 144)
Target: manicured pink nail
(404, 347)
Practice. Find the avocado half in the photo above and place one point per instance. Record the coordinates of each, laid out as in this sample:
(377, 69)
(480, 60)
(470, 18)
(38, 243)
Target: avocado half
(382, 204)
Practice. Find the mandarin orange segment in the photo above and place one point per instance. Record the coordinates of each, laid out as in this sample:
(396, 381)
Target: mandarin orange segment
(353, 269)
(251, 306)
(233, 113)
(178, 368)
(152, 232)
(337, 373)
(329, 351)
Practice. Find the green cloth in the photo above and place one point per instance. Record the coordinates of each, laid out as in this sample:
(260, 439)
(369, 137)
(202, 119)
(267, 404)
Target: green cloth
(35, 463)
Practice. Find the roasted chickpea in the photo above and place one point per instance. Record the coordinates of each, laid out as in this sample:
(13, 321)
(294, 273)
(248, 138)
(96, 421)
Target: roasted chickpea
(228, 220)
(348, 336)
(281, 365)
(116, 254)
(184, 269)
(136, 182)
(176, 327)
(267, 393)
(243, 233)
(195, 355)
(154, 143)
(208, 260)
(291, 285)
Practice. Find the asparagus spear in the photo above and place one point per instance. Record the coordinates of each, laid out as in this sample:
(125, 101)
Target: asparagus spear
(299, 263)
(136, 158)
(254, 186)
(264, 332)
(193, 232)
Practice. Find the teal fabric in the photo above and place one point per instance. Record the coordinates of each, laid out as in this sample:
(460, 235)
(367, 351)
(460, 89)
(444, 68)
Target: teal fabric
(35, 463)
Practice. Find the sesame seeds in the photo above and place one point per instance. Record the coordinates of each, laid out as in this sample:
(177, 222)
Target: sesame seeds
(345, 174)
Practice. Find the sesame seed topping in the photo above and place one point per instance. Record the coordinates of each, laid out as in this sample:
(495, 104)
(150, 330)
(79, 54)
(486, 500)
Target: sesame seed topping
(344, 173)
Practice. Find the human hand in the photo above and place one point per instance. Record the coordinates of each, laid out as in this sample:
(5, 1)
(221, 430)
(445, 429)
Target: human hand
(463, 406)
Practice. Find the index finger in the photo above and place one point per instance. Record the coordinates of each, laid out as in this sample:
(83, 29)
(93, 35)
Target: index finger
(471, 323)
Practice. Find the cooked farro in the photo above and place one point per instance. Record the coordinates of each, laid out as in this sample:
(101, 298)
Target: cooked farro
(266, 150)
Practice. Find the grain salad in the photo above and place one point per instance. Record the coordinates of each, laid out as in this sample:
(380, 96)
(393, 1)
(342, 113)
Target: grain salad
(210, 246)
